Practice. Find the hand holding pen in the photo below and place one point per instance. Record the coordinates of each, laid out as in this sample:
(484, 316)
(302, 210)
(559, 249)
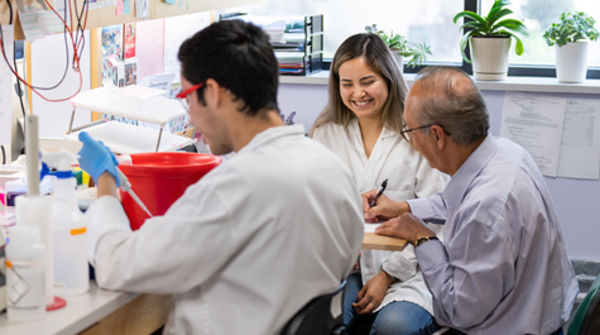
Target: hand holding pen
(379, 192)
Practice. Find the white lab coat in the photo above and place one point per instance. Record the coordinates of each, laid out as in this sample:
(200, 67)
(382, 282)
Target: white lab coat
(246, 246)
(409, 176)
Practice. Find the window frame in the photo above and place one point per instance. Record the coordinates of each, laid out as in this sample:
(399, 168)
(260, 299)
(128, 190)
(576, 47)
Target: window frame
(514, 70)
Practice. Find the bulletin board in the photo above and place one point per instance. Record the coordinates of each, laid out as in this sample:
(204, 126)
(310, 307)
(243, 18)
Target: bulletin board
(156, 9)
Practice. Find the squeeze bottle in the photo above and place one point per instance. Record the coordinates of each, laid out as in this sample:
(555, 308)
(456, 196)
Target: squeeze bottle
(71, 272)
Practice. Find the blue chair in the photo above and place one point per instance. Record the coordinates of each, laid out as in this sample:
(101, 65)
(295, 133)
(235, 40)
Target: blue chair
(321, 316)
(587, 317)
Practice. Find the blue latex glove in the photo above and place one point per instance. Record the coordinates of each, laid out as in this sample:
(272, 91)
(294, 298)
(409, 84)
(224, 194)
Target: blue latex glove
(95, 158)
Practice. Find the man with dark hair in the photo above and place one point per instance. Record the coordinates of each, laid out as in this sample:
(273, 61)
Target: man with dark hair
(255, 239)
(502, 268)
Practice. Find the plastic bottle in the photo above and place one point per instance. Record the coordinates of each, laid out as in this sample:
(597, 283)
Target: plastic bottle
(25, 274)
(71, 272)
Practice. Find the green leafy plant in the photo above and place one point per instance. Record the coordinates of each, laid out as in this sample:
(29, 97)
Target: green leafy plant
(493, 24)
(399, 44)
(573, 26)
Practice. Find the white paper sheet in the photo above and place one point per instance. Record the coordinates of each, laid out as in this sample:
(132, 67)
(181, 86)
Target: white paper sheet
(370, 227)
(149, 47)
(580, 147)
(95, 4)
(47, 64)
(6, 80)
(535, 122)
(178, 29)
(37, 23)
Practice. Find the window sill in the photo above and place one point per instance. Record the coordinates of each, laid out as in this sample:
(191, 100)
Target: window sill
(524, 84)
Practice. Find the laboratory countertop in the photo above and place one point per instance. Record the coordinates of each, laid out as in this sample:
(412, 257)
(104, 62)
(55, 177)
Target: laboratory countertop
(82, 313)
(100, 311)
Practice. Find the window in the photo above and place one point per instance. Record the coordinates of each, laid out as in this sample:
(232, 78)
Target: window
(538, 16)
(430, 21)
(427, 21)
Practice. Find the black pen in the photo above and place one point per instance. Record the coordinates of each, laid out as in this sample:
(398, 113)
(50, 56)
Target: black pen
(379, 192)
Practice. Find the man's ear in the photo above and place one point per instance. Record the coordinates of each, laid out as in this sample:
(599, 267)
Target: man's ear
(212, 92)
(439, 135)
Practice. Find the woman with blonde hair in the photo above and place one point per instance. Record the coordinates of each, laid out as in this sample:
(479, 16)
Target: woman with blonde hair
(362, 123)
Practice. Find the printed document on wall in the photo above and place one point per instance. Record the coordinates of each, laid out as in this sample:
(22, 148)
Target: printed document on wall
(580, 147)
(6, 78)
(535, 122)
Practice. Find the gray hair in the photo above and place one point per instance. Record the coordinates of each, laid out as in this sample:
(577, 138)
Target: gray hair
(453, 102)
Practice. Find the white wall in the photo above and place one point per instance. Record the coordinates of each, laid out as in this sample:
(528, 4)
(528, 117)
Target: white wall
(577, 202)
(306, 100)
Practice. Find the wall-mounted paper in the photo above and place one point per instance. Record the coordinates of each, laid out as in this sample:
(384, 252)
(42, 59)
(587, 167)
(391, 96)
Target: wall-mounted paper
(141, 9)
(149, 47)
(37, 23)
(535, 122)
(119, 8)
(49, 53)
(6, 80)
(580, 147)
(95, 4)
(178, 29)
(126, 7)
(129, 40)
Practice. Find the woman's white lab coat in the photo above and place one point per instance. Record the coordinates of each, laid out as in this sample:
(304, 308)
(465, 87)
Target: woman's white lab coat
(409, 176)
(246, 246)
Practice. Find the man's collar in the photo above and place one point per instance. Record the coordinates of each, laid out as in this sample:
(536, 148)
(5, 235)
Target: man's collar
(272, 133)
(460, 181)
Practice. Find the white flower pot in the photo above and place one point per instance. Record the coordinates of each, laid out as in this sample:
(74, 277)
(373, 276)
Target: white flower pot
(400, 61)
(571, 62)
(490, 57)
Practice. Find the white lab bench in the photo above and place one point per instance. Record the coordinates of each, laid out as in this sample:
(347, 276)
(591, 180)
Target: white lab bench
(98, 312)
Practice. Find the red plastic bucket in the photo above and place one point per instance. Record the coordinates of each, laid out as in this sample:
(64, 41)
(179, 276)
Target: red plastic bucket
(160, 178)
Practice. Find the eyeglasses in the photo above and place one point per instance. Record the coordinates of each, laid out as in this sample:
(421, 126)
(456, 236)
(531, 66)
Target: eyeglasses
(182, 96)
(405, 132)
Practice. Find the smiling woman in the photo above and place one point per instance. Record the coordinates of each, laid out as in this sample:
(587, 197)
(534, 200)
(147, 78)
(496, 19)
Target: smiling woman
(361, 124)
(364, 71)
(363, 91)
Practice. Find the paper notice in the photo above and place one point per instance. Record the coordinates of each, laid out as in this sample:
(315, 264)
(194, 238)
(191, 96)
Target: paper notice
(535, 121)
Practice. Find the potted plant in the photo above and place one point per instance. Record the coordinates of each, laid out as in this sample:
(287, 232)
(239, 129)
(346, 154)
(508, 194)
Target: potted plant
(489, 39)
(571, 36)
(402, 48)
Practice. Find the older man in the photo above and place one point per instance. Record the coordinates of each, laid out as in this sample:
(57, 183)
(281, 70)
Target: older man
(502, 268)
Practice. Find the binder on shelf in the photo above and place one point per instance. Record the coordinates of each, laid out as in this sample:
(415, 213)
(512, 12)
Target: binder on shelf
(302, 50)
(298, 45)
